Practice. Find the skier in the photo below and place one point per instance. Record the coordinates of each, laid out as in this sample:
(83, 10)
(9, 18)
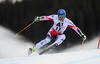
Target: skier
(56, 31)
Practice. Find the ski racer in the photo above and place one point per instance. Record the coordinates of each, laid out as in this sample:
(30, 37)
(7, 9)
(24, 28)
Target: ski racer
(56, 31)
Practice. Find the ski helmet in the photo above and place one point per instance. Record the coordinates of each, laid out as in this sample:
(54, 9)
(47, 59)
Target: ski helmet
(61, 13)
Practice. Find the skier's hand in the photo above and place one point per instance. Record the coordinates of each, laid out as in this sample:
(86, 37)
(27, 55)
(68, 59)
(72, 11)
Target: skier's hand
(83, 37)
(38, 18)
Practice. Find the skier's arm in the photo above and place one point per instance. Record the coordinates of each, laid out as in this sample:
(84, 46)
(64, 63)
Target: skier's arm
(76, 29)
(81, 34)
(42, 18)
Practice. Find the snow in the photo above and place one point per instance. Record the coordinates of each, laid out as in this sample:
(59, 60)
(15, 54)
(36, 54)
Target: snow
(89, 45)
(81, 57)
(13, 50)
(12, 45)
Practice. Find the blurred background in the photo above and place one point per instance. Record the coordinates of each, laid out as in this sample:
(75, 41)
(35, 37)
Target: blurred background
(16, 14)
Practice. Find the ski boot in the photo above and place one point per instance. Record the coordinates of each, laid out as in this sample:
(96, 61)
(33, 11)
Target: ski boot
(31, 50)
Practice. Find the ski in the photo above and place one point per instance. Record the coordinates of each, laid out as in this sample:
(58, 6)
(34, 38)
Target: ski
(31, 50)
(47, 49)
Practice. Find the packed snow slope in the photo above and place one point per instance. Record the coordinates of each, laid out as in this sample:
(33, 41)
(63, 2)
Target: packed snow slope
(13, 50)
(81, 57)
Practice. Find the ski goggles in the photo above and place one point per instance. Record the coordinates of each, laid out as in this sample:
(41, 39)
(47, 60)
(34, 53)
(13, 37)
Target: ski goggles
(61, 16)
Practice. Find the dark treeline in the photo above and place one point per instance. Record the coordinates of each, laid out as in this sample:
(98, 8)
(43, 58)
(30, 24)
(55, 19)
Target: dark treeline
(84, 13)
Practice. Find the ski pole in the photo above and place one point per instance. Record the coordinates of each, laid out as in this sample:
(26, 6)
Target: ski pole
(82, 44)
(24, 28)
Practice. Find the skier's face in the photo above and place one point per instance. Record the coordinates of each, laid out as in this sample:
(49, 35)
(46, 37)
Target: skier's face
(61, 17)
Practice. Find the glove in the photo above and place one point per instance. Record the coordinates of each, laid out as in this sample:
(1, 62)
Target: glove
(83, 37)
(38, 18)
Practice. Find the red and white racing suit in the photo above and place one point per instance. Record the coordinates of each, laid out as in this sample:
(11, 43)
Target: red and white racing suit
(57, 30)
